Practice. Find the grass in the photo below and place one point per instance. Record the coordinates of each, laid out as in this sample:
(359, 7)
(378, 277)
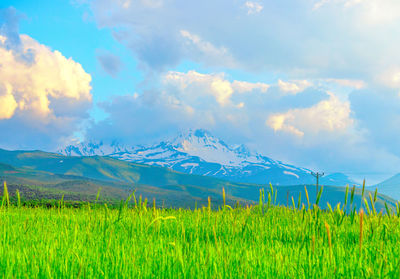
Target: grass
(135, 240)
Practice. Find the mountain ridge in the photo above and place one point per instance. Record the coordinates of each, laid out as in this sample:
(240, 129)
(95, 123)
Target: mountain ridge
(199, 152)
(390, 186)
(41, 174)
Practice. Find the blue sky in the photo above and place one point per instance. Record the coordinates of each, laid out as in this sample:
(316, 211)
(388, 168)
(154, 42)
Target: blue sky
(315, 83)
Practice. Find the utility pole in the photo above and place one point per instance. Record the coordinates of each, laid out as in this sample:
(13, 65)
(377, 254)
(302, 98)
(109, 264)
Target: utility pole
(317, 175)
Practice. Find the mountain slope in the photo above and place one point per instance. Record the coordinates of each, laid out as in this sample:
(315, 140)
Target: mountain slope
(390, 187)
(84, 175)
(198, 152)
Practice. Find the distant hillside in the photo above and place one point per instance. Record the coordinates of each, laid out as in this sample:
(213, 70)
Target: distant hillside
(84, 175)
(389, 187)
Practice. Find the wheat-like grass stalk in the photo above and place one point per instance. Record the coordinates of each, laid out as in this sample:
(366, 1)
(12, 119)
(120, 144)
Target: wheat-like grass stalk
(361, 228)
(224, 196)
(329, 239)
(308, 200)
(372, 203)
(345, 197)
(19, 198)
(299, 201)
(6, 197)
(313, 243)
(363, 189)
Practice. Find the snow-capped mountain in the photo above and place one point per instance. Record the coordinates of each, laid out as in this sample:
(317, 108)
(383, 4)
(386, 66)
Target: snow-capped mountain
(198, 152)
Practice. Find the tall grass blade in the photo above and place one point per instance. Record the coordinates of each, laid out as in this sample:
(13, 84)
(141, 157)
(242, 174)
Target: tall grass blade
(308, 200)
(6, 197)
(352, 195)
(98, 195)
(361, 229)
(329, 239)
(18, 198)
(388, 211)
(272, 189)
(319, 195)
(363, 189)
(367, 206)
(372, 203)
(299, 201)
(224, 196)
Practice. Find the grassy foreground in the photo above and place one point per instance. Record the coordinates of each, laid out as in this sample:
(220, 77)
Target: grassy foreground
(137, 241)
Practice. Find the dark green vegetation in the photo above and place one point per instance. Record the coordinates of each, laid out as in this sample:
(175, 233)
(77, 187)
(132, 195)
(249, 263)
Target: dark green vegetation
(261, 241)
(40, 175)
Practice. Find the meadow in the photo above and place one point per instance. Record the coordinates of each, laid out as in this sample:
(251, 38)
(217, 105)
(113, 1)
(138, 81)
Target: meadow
(138, 240)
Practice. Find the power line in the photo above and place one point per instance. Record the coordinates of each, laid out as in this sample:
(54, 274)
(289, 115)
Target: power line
(317, 175)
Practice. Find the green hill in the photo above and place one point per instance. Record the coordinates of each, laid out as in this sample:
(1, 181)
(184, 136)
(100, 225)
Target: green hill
(81, 177)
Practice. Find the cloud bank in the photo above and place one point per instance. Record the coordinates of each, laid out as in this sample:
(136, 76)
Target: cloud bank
(43, 99)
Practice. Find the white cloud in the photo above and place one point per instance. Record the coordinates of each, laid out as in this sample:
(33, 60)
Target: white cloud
(294, 87)
(187, 100)
(244, 86)
(126, 4)
(278, 122)
(253, 7)
(50, 76)
(48, 93)
(320, 4)
(209, 52)
(390, 78)
(368, 12)
(344, 3)
(7, 104)
(351, 83)
(350, 3)
(330, 115)
(342, 39)
(193, 85)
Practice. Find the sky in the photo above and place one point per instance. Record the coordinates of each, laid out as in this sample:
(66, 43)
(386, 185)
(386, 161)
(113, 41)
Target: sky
(315, 83)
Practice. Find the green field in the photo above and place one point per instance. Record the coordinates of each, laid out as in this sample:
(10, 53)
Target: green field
(136, 240)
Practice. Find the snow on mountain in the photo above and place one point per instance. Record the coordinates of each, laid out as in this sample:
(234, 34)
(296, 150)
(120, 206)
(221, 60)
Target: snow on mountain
(199, 152)
(93, 148)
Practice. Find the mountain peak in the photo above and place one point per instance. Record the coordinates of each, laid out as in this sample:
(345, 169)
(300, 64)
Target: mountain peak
(201, 143)
(194, 134)
(242, 149)
(199, 136)
(201, 133)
